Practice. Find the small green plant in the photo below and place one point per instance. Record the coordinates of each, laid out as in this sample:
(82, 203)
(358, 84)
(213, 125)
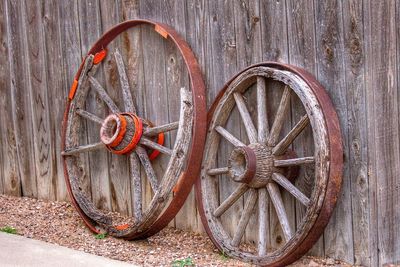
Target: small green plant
(183, 262)
(224, 257)
(8, 229)
(100, 236)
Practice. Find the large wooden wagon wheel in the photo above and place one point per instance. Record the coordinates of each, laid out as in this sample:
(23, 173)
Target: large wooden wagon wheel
(125, 133)
(263, 168)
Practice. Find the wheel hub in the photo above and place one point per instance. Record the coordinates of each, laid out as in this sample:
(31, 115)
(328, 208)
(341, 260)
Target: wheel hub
(121, 132)
(254, 165)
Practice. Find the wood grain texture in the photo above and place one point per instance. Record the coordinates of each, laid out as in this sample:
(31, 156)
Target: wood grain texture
(263, 230)
(71, 55)
(132, 54)
(39, 102)
(18, 107)
(248, 51)
(224, 65)
(396, 194)
(246, 118)
(56, 96)
(120, 182)
(177, 77)
(155, 95)
(274, 45)
(245, 217)
(90, 30)
(354, 63)
(352, 47)
(4, 73)
(9, 166)
(302, 53)
(198, 36)
(330, 67)
(383, 130)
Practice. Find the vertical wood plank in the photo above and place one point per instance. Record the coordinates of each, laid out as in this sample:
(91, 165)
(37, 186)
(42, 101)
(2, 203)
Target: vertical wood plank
(19, 111)
(301, 41)
(132, 52)
(275, 47)
(5, 102)
(224, 65)
(90, 29)
(72, 58)
(120, 185)
(248, 47)
(198, 36)
(176, 77)
(4, 83)
(354, 63)
(383, 125)
(248, 33)
(39, 106)
(55, 88)
(330, 56)
(396, 196)
(155, 80)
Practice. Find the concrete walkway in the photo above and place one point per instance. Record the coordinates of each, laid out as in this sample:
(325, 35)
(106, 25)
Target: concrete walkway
(18, 251)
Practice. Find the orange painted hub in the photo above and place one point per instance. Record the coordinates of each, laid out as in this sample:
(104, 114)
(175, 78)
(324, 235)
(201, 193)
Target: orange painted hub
(121, 132)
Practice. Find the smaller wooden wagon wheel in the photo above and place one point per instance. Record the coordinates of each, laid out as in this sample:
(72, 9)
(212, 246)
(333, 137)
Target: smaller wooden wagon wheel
(126, 133)
(263, 168)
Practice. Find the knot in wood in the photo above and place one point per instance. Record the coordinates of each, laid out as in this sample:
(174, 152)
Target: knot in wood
(252, 164)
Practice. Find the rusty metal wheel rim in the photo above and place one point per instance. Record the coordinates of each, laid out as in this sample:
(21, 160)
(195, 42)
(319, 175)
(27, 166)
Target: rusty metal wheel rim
(327, 199)
(183, 179)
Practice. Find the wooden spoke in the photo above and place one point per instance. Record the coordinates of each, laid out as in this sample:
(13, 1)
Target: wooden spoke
(281, 147)
(291, 162)
(123, 78)
(283, 109)
(81, 149)
(228, 136)
(244, 219)
(276, 198)
(262, 119)
(144, 159)
(217, 171)
(103, 95)
(154, 145)
(90, 116)
(152, 131)
(228, 202)
(137, 186)
(263, 234)
(244, 113)
(285, 183)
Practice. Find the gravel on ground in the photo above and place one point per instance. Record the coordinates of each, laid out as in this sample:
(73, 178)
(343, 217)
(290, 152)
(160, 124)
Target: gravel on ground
(58, 223)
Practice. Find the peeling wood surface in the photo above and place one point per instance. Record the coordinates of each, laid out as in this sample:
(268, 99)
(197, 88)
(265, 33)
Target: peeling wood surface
(352, 47)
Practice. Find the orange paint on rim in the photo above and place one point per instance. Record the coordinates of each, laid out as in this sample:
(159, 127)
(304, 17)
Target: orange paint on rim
(122, 227)
(98, 57)
(72, 91)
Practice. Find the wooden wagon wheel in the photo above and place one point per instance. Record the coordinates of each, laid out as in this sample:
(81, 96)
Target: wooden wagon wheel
(124, 133)
(262, 168)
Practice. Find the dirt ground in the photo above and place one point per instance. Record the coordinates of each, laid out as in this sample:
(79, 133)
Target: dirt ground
(58, 223)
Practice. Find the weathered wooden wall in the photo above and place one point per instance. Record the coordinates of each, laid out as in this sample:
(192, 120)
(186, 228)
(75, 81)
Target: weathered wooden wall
(351, 46)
